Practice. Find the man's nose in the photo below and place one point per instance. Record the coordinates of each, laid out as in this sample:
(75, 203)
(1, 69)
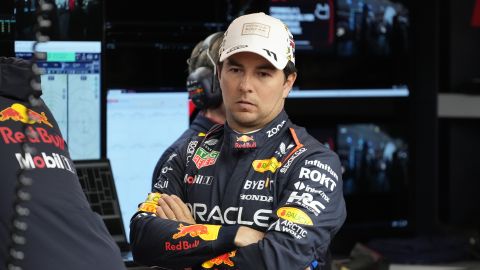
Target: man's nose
(246, 83)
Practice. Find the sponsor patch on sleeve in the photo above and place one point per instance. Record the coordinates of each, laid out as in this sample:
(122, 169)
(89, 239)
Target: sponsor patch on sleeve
(264, 165)
(294, 215)
(204, 231)
(148, 207)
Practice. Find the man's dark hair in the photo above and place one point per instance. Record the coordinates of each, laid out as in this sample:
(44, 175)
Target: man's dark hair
(289, 69)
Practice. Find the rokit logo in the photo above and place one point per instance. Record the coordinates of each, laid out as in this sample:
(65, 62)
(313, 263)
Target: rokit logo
(306, 200)
(322, 166)
(317, 176)
(44, 161)
(301, 186)
(198, 179)
(231, 215)
(276, 129)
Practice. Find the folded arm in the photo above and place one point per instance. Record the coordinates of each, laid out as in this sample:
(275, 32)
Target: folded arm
(310, 212)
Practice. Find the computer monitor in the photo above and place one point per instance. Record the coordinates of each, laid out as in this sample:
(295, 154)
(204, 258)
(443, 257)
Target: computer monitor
(7, 28)
(375, 161)
(80, 20)
(348, 44)
(372, 27)
(71, 88)
(140, 126)
(312, 23)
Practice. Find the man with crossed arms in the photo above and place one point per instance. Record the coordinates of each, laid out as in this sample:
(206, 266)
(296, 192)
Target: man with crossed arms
(255, 193)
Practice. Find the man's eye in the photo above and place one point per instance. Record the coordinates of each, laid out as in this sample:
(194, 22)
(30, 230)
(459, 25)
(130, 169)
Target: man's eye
(264, 74)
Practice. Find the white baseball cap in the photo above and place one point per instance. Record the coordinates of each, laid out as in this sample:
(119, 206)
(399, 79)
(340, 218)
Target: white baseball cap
(261, 34)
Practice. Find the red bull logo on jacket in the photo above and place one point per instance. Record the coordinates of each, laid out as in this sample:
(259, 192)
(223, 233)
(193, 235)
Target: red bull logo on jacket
(205, 232)
(223, 259)
(32, 135)
(18, 112)
(245, 142)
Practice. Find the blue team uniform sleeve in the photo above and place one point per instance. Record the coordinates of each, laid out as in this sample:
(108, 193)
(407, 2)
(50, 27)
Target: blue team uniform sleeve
(310, 212)
(167, 243)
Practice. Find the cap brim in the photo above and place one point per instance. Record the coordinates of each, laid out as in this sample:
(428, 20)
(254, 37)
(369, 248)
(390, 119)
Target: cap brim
(270, 57)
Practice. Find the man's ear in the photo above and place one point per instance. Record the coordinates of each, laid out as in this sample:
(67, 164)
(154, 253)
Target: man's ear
(287, 86)
(219, 71)
(219, 76)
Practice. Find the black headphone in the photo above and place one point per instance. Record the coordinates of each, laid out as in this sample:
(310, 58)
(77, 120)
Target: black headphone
(202, 83)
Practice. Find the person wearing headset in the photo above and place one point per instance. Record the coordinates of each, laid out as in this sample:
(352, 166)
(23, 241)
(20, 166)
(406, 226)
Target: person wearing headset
(204, 92)
(60, 230)
(258, 192)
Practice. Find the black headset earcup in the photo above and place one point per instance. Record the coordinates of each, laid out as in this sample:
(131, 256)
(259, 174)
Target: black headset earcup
(199, 86)
(216, 98)
(204, 89)
(202, 84)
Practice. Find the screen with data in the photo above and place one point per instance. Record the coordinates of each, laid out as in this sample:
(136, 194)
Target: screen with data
(71, 89)
(310, 22)
(140, 126)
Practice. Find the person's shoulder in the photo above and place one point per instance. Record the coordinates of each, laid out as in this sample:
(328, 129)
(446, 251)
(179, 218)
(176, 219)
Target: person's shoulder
(311, 144)
(215, 130)
(313, 160)
(201, 123)
(311, 153)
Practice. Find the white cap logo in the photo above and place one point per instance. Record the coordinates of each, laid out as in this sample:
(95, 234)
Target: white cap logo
(261, 34)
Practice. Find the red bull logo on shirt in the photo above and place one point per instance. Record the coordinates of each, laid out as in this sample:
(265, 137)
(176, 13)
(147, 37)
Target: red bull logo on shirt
(244, 142)
(223, 259)
(205, 232)
(18, 112)
(32, 135)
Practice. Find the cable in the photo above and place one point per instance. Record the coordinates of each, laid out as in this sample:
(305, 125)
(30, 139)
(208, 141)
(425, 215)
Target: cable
(19, 224)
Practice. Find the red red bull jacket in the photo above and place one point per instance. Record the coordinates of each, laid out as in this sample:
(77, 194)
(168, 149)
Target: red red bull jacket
(62, 230)
(278, 180)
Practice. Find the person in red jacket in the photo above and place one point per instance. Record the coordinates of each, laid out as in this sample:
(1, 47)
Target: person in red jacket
(258, 192)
